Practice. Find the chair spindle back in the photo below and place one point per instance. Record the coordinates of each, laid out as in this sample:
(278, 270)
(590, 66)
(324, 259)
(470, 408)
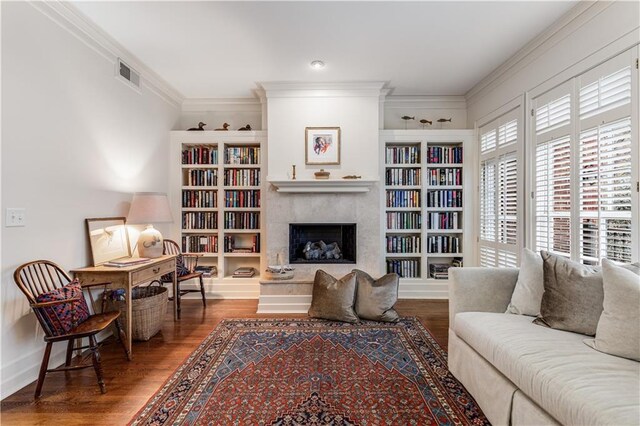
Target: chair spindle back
(40, 276)
(171, 247)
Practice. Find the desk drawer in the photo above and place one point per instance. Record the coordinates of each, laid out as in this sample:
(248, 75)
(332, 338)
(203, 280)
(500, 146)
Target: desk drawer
(153, 272)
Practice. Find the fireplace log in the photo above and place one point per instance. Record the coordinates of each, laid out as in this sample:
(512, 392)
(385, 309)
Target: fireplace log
(320, 250)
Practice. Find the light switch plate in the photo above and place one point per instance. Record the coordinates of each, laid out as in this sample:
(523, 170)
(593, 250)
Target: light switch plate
(16, 217)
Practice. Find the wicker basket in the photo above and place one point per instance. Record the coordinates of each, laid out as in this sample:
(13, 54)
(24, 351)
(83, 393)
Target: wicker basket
(148, 309)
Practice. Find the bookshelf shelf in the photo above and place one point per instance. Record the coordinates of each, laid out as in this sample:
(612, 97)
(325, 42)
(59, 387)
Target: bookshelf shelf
(212, 189)
(429, 163)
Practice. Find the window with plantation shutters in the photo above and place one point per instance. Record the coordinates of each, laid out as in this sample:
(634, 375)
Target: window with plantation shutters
(499, 191)
(585, 173)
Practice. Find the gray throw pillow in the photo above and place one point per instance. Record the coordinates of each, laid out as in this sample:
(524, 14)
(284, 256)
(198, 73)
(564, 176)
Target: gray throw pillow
(375, 298)
(618, 333)
(333, 299)
(527, 295)
(573, 295)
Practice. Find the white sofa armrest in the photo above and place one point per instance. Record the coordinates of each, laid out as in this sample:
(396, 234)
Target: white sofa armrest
(480, 290)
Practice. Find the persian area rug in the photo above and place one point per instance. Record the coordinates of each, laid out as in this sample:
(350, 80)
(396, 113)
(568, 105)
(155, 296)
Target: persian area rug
(313, 372)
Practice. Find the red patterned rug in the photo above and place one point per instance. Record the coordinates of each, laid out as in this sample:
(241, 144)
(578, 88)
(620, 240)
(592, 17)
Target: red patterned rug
(313, 372)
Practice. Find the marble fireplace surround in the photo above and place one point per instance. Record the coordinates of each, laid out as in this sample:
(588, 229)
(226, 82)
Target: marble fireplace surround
(363, 209)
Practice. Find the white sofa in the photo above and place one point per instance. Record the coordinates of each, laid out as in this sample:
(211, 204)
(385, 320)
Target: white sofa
(525, 374)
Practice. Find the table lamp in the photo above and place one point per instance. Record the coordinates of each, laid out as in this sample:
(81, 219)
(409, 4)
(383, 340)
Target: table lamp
(147, 208)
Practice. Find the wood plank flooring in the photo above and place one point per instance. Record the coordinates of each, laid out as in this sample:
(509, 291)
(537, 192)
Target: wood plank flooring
(74, 398)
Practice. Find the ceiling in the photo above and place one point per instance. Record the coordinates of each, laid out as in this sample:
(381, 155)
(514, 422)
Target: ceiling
(210, 49)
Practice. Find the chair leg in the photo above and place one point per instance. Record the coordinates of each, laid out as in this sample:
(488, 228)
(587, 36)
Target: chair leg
(204, 300)
(177, 296)
(97, 366)
(69, 352)
(43, 369)
(122, 336)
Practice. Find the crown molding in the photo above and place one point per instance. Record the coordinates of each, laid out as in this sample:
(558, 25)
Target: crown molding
(283, 89)
(571, 21)
(71, 19)
(430, 102)
(222, 104)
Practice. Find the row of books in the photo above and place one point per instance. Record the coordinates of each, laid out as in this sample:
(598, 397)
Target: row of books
(403, 198)
(444, 198)
(443, 244)
(440, 271)
(402, 176)
(402, 154)
(444, 155)
(404, 220)
(445, 176)
(230, 245)
(242, 220)
(199, 198)
(202, 177)
(242, 155)
(200, 155)
(242, 177)
(200, 243)
(406, 268)
(242, 198)
(200, 220)
(443, 220)
(244, 272)
(403, 244)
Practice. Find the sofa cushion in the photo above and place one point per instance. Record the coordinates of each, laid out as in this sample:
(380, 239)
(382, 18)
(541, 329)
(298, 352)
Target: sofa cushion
(527, 295)
(573, 295)
(572, 382)
(617, 332)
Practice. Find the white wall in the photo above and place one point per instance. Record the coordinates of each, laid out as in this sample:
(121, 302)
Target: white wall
(76, 143)
(588, 35)
(356, 111)
(430, 108)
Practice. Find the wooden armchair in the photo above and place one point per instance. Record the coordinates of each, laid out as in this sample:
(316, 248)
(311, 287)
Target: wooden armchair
(184, 271)
(41, 277)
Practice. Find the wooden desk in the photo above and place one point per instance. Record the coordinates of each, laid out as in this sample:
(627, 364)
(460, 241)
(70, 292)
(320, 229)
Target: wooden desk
(129, 277)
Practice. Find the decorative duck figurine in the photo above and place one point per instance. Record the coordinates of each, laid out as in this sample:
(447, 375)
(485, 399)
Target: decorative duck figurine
(200, 127)
(245, 128)
(225, 126)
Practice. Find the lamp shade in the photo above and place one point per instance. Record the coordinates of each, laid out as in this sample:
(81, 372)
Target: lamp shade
(149, 207)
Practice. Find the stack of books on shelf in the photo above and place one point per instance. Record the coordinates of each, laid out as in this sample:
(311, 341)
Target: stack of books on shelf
(207, 271)
(200, 155)
(242, 155)
(199, 177)
(439, 271)
(244, 272)
(242, 177)
(402, 177)
(402, 155)
(444, 155)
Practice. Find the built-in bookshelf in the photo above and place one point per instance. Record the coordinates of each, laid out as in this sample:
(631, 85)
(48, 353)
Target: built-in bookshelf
(217, 202)
(424, 201)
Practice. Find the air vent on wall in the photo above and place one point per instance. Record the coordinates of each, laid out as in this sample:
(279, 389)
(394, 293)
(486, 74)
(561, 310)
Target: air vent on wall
(128, 74)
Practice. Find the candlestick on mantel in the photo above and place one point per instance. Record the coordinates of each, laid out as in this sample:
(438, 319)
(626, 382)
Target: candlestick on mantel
(294, 172)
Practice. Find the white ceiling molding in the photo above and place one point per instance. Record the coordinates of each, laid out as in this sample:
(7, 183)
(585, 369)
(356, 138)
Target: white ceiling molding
(322, 90)
(582, 13)
(430, 102)
(222, 104)
(68, 17)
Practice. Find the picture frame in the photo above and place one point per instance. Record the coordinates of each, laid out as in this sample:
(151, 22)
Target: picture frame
(108, 239)
(322, 145)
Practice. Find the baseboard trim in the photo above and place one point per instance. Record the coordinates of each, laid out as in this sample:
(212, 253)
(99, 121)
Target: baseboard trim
(285, 304)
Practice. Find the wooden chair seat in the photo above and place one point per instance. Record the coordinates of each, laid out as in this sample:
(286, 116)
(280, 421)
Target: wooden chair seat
(92, 325)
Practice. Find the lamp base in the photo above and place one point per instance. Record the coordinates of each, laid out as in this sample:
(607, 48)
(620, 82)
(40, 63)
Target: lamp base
(150, 243)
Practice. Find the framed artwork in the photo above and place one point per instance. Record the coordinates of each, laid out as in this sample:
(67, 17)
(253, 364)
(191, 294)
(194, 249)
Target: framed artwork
(322, 145)
(108, 239)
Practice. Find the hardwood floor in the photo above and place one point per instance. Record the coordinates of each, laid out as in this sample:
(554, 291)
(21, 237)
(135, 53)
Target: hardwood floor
(74, 398)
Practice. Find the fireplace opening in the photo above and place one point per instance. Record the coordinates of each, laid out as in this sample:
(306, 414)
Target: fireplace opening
(322, 243)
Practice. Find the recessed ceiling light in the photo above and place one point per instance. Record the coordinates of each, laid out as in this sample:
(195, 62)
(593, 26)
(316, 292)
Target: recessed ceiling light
(317, 64)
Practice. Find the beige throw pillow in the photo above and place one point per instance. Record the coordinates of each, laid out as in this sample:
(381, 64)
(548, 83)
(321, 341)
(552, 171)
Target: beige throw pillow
(527, 295)
(618, 331)
(375, 298)
(333, 299)
(573, 295)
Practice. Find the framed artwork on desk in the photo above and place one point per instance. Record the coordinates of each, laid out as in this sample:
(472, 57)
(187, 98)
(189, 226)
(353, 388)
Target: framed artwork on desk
(108, 239)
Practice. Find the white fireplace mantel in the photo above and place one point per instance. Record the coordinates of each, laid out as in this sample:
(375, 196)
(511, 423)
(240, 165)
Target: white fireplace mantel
(303, 186)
